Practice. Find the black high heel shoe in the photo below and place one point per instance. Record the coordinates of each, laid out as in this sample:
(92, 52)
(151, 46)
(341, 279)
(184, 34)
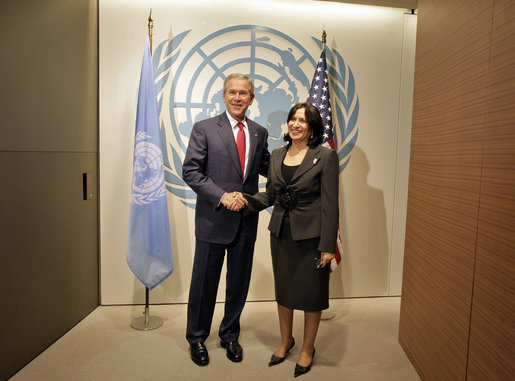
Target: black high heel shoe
(274, 360)
(300, 370)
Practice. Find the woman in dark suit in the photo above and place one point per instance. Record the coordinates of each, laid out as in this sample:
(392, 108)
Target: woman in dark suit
(303, 188)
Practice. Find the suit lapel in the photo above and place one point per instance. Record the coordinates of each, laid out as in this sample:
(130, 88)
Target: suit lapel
(227, 136)
(276, 165)
(253, 140)
(309, 161)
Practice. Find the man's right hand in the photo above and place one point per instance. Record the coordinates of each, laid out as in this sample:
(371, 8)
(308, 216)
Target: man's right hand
(234, 201)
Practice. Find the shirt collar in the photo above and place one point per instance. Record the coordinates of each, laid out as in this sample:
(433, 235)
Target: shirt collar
(234, 122)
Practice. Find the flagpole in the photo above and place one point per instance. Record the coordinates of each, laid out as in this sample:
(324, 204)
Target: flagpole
(150, 27)
(324, 36)
(328, 313)
(147, 322)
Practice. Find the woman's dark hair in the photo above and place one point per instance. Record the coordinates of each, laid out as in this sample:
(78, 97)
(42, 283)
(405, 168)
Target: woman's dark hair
(316, 125)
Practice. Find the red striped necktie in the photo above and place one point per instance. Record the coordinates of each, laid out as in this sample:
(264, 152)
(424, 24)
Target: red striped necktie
(240, 145)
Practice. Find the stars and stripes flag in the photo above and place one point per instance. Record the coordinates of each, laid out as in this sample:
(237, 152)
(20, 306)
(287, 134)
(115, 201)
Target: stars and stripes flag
(319, 97)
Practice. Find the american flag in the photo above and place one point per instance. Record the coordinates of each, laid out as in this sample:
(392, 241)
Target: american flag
(319, 97)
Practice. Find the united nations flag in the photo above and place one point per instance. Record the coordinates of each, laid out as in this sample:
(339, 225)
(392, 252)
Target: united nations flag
(149, 249)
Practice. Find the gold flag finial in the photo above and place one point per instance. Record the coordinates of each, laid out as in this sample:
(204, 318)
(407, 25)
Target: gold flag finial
(150, 27)
(324, 35)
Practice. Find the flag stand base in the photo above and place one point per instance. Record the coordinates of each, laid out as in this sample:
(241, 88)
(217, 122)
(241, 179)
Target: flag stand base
(328, 314)
(146, 322)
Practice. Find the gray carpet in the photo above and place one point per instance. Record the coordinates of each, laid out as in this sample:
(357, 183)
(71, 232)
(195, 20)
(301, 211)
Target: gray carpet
(359, 343)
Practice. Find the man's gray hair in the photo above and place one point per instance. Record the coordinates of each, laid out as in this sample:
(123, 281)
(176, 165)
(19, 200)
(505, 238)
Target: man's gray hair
(239, 76)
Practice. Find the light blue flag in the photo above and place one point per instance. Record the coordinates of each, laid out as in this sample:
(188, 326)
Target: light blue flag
(149, 249)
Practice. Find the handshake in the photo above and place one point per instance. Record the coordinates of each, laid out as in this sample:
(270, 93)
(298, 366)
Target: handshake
(234, 201)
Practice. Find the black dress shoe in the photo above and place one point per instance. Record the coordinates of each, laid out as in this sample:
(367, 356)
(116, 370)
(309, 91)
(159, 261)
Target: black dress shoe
(274, 360)
(234, 350)
(300, 370)
(198, 353)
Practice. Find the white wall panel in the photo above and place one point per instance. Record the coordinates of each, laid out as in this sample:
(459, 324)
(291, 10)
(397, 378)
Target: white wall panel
(375, 43)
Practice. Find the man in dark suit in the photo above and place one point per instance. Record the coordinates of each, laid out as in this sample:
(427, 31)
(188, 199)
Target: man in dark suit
(225, 155)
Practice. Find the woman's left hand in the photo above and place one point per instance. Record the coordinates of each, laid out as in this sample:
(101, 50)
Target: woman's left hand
(325, 258)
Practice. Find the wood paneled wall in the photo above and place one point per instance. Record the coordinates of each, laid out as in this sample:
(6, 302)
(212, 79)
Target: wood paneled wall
(492, 326)
(443, 193)
(457, 298)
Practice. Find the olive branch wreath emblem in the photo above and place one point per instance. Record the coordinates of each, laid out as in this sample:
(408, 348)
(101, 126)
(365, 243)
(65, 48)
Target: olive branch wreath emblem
(345, 110)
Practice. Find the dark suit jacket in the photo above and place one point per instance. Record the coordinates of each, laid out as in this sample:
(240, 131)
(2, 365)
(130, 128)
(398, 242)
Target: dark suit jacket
(211, 168)
(315, 184)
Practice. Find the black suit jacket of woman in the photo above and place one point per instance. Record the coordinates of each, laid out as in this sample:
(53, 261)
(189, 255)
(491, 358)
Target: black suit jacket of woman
(315, 185)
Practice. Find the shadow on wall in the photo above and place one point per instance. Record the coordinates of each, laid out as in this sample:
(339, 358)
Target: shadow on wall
(364, 269)
(182, 243)
(172, 289)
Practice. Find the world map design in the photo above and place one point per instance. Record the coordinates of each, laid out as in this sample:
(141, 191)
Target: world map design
(189, 88)
(148, 178)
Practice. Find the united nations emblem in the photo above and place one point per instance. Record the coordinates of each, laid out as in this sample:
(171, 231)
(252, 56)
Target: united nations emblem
(148, 177)
(281, 69)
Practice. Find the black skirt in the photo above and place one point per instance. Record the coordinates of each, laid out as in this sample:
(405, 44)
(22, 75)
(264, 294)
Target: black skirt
(299, 284)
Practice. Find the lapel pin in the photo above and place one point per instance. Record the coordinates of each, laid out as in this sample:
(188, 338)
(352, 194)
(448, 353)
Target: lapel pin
(315, 160)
